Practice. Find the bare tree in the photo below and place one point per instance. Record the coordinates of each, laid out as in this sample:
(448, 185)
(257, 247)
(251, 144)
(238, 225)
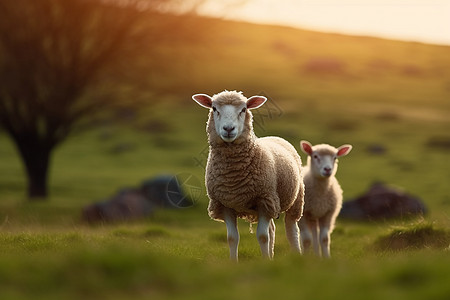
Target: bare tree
(51, 53)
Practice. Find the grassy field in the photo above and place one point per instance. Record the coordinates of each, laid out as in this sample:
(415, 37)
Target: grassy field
(321, 87)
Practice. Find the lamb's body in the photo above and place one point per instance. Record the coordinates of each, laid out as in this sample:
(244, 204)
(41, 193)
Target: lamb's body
(248, 177)
(323, 196)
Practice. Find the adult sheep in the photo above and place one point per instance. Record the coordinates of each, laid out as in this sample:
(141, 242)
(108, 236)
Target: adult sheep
(248, 177)
(323, 195)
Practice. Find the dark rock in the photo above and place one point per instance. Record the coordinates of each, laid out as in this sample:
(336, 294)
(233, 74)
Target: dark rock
(165, 191)
(382, 202)
(126, 204)
(162, 192)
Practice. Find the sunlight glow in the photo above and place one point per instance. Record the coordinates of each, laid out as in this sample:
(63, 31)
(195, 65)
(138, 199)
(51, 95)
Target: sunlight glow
(414, 20)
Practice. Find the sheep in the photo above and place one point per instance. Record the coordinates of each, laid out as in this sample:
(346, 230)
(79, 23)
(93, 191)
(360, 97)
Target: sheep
(323, 196)
(248, 177)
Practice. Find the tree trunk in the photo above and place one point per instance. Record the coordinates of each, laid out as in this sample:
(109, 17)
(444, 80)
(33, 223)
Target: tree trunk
(37, 174)
(35, 156)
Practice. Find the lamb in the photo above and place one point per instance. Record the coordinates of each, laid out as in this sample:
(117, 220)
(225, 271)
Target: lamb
(248, 177)
(323, 196)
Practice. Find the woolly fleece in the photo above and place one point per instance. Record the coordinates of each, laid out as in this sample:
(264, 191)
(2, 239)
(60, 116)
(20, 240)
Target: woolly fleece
(251, 173)
(323, 196)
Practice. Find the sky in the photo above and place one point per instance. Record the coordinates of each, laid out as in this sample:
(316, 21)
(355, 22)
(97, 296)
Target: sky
(426, 21)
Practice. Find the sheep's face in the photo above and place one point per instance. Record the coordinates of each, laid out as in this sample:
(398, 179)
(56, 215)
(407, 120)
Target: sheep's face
(323, 158)
(229, 111)
(229, 120)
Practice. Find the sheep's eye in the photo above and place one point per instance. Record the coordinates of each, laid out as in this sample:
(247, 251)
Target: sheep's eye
(214, 108)
(244, 110)
(315, 156)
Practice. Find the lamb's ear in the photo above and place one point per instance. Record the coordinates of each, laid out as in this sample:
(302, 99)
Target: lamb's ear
(203, 100)
(256, 102)
(306, 147)
(344, 150)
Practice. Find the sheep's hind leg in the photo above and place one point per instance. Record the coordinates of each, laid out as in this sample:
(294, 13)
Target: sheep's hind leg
(262, 233)
(272, 229)
(230, 219)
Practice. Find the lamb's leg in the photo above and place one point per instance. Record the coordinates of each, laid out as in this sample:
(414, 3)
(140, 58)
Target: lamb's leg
(262, 233)
(314, 225)
(325, 241)
(305, 235)
(325, 235)
(292, 232)
(232, 233)
(272, 229)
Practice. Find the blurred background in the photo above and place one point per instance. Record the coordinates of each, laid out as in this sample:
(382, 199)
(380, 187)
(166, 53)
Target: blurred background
(95, 95)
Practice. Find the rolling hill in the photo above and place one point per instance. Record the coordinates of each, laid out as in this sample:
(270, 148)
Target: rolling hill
(291, 64)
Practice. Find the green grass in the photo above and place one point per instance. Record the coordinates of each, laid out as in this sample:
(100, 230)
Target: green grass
(415, 237)
(176, 257)
(46, 252)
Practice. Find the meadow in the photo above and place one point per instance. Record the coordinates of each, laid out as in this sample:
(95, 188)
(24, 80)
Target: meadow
(322, 88)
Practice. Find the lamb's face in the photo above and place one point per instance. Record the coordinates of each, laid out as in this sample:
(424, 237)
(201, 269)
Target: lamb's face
(324, 164)
(229, 120)
(323, 158)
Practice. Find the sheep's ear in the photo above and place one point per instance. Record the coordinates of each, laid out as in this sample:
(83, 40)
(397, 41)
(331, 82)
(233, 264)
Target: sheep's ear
(306, 147)
(344, 150)
(203, 100)
(256, 102)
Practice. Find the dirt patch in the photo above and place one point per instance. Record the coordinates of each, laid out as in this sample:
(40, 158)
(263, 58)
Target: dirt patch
(343, 125)
(439, 142)
(325, 66)
(396, 112)
(422, 236)
(285, 49)
(412, 71)
(388, 116)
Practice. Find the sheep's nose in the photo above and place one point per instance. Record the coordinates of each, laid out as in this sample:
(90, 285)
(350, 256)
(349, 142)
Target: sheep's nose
(228, 128)
(327, 169)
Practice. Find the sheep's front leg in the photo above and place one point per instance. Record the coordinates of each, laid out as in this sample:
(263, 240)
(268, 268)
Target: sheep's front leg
(262, 233)
(272, 229)
(232, 233)
(292, 233)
